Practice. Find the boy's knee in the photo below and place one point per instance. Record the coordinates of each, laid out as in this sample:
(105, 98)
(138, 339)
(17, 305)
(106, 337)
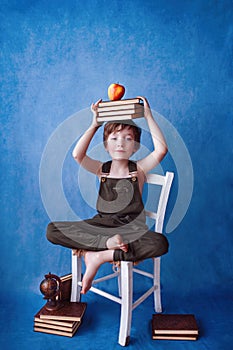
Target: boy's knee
(50, 233)
(164, 245)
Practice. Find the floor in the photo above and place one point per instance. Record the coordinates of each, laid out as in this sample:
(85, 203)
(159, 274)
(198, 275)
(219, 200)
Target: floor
(99, 329)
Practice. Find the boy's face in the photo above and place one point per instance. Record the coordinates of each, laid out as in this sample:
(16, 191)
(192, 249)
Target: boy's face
(120, 144)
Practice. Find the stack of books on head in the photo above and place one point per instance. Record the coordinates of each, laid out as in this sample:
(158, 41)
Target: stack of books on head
(120, 110)
(64, 321)
(174, 327)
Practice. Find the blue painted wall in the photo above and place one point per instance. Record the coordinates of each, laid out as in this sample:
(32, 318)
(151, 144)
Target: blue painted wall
(56, 58)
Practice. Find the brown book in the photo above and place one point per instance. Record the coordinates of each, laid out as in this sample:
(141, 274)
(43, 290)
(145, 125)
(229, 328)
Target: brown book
(119, 117)
(56, 327)
(121, 107)
(120, 102)
(124, 109)
(65, 292)
(119, 113)
(66, 277)
(71, 311)
(174, 324)
(67, 324)
(174, 337)
(66, 333)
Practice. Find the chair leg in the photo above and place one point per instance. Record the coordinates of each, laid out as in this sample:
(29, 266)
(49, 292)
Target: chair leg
(157, 292)
(76, 277)
(119, 283)
(126, 305)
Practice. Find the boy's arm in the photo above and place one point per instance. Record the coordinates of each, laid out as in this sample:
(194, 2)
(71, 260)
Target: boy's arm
(160, 145)
(80, 149)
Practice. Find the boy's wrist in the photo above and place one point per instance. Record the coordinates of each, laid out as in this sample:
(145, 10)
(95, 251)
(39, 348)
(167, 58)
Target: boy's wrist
(95, 125)
(148, 114)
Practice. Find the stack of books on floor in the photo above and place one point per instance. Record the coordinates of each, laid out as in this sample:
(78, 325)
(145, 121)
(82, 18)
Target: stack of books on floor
(174, 327)
(120, 110)
(64, 321)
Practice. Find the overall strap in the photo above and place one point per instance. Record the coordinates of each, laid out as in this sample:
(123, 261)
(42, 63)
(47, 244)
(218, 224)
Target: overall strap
(107, 166)
(132, 167)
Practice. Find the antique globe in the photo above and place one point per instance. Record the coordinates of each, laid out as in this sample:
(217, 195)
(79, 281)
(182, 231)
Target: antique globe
(50, 288)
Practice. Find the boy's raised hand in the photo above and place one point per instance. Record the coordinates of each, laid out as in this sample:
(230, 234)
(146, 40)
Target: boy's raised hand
(147, 110)
(94, 108)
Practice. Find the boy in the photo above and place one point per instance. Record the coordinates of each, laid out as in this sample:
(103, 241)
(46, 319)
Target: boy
(118, 232)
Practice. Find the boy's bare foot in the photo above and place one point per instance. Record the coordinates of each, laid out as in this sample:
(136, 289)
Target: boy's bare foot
(116, 242)
(93, 260)
(92, 264)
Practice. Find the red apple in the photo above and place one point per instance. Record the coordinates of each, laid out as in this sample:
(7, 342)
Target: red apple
(115, 92)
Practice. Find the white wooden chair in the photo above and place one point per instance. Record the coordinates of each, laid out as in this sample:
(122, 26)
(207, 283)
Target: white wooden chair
(126, 270)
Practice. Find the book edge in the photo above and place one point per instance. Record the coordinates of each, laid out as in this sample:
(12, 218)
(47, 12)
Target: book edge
(119, 102)
(56, 327)
(118, 118)
(53, 322)
(53, 331)
(120, 112)
(63, 317)
(120, 107)
(164, 337)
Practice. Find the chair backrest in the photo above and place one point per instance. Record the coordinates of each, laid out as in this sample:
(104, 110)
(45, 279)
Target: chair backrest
(165, 182)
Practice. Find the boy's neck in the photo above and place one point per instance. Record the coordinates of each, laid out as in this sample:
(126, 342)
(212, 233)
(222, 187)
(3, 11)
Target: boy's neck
(119, 168)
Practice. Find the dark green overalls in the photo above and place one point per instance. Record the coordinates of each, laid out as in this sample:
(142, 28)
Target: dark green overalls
(120, 210)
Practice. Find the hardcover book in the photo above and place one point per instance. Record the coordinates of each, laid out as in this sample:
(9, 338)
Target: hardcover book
(57, 327)
(67, 324)
(121, 107)
(71, 311)
(174, 324)
(120, 102)
(65, 292)
(132, 110)
(119, 117)
(174, 337)
(57, 331)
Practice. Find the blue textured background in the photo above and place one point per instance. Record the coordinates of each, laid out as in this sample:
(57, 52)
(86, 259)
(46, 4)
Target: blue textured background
(56, 58)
